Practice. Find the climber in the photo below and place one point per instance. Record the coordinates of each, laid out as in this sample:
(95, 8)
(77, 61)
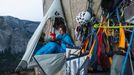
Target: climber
(58, 44)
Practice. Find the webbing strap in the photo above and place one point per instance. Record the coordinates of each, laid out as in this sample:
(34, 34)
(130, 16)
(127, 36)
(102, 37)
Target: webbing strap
(99, 46)
(121, 38)
(94, 54)
(91, 41)
(86, 45)
(110, 60)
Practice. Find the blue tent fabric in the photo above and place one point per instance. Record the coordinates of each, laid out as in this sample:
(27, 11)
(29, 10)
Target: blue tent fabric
(53, 47)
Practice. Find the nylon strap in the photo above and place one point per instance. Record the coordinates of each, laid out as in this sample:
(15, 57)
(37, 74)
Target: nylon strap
(121, 37)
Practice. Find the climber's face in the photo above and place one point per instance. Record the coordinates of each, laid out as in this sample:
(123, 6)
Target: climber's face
(61, 31)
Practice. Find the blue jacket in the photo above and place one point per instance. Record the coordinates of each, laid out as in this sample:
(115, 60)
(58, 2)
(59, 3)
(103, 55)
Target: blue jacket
(66, 41)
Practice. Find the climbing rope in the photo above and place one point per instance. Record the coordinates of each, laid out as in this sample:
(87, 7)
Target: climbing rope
(128, 50)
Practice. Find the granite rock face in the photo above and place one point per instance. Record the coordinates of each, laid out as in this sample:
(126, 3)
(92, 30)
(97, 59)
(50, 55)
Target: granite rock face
(14, 36)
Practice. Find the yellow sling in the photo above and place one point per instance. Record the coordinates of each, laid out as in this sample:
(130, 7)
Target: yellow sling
(121, 37)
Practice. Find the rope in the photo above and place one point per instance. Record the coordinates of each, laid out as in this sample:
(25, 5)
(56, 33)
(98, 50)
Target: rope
(118, 16)
(89, 7)
(98, 9)
(131, 64)
(116, 8)
(70, 2)
(128, 50)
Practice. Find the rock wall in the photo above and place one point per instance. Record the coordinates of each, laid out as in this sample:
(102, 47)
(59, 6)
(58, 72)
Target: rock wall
(72, 8)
